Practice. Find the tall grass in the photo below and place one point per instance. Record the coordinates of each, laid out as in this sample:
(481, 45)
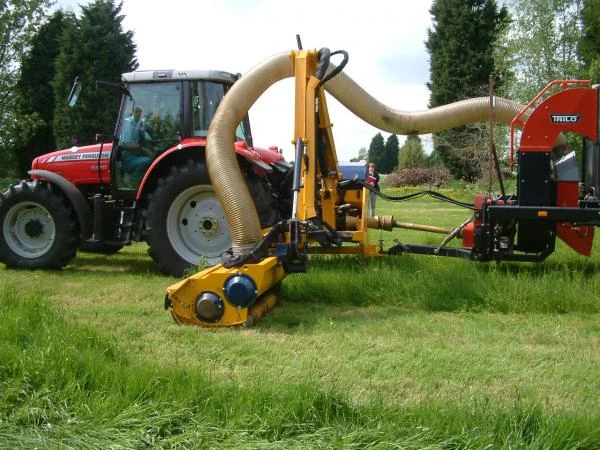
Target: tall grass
(441, 284)
(391, 352)
(66, 385)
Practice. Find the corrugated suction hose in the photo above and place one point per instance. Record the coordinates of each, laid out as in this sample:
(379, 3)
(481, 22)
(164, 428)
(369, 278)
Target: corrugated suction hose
(221, 160)
(356, 99)
(224, 170)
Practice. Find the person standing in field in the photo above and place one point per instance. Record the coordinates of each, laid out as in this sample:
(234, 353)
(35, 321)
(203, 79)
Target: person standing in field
(373, 180)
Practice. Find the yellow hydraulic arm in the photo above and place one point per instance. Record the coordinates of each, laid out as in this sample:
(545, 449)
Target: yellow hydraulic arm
(227, 296)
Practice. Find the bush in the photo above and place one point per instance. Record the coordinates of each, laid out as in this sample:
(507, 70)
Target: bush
(8, 172)
(414, 177)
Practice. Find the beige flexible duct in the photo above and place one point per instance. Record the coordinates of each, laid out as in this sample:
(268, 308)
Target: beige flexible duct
(356, 99)
(221, 160)
(224, 170)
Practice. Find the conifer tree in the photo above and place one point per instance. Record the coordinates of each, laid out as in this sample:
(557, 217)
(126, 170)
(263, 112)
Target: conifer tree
(460, 46)
(376, 151)
(412, 155)
(390, 155)
(96, 49)
(34, 96)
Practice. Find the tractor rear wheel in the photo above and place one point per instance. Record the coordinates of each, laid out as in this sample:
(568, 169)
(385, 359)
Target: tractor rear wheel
(187, 224)
(38, 228)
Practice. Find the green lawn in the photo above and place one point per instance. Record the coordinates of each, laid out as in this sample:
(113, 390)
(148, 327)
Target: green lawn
(391, 352)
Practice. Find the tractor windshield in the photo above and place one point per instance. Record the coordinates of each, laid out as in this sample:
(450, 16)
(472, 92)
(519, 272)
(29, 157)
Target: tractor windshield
(150, 123)
(206, 97)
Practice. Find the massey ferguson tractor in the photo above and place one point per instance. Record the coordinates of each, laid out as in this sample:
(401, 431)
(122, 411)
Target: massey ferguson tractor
(149, 184)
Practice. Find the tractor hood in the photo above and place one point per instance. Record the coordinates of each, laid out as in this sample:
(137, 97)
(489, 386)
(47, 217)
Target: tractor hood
(80, 165)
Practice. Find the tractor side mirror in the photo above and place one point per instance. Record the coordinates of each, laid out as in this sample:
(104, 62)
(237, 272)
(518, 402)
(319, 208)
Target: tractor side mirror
(75, 91)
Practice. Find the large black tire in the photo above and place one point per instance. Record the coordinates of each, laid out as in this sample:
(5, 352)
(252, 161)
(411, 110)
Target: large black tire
(99, 247)
(187, 225)
(38, 227)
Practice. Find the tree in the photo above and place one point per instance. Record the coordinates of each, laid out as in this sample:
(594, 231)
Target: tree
(542, 45)
(95, 49)
(34, 106)
(389, 160)
(411, 155)
(376, 151)
(19, 20)
(460, 46)
(362, 155)
(589, 44)
(464, 151)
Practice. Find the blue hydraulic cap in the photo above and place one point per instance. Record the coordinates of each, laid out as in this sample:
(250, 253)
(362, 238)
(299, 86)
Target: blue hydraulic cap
(240, 290)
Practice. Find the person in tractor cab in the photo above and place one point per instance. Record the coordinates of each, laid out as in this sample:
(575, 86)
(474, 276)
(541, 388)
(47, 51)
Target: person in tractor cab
(137, 157)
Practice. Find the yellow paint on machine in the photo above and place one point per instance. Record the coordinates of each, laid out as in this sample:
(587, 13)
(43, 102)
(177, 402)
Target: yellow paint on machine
(183, 295)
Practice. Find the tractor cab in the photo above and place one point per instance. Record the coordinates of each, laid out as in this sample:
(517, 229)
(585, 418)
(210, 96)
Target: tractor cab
(159, 110)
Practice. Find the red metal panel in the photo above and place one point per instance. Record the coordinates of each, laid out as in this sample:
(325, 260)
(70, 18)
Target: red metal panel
(567, 193)
(573, 110)
(468, 235)
(79, 165)
(579, 238)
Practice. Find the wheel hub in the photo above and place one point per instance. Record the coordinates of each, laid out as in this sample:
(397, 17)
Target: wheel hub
(209, 225)
(34, 228)
(29, 229)
(196, 225)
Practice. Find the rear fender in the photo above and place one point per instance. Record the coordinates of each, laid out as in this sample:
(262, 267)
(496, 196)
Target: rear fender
(163, 163)
(194, 149)
(75, 197)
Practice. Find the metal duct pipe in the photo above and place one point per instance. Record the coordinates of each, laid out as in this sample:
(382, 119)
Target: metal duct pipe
(224, 170)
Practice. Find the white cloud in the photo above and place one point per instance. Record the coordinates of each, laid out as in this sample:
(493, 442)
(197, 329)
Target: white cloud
(385, 40)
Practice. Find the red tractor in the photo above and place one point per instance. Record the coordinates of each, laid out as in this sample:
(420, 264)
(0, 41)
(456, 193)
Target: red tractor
(149, 184)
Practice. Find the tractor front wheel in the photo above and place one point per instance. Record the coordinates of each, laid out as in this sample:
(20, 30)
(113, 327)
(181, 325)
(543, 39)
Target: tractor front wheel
(38, 229)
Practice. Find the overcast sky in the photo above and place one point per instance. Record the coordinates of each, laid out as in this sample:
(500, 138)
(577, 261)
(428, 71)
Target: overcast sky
(384, 38)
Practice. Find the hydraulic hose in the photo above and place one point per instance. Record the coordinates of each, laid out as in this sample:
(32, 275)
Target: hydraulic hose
(224, 170)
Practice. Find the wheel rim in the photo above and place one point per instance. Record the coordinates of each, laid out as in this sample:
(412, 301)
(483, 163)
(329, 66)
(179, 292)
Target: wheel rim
(196, 225)
(29, 230)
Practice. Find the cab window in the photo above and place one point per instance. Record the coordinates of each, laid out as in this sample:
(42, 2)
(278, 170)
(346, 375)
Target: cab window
(207, 96)
(150, 124)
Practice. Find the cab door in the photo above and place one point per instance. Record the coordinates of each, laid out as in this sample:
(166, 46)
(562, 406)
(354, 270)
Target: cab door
(150, 122)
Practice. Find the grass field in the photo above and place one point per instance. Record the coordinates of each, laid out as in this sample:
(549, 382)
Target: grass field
(397, 352)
